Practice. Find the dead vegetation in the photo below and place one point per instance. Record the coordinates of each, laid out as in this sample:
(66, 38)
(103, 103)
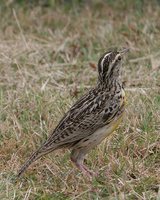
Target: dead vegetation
(48, 58)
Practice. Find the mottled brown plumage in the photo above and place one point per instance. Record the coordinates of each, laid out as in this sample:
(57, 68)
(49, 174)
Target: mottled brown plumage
(92, 118)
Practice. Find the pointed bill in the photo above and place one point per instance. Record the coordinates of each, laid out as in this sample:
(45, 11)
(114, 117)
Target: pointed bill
(124, 51)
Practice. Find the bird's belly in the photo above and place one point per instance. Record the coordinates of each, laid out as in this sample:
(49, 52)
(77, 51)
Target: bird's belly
(99, 135)
(105, 131)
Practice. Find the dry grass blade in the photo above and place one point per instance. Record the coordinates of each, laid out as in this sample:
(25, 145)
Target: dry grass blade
(48, 56)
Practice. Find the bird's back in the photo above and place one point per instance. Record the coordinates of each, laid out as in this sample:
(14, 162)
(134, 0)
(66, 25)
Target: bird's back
(95, 109)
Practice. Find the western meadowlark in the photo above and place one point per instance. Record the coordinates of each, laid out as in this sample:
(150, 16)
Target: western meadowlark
(92, 118)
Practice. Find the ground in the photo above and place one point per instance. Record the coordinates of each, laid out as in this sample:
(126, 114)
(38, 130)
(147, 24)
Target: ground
(48, 58)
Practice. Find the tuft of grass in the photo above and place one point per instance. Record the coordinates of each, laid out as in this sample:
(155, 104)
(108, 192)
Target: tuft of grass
(48, 60)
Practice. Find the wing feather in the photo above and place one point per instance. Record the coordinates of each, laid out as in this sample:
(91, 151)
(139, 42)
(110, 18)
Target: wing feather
(81, 120)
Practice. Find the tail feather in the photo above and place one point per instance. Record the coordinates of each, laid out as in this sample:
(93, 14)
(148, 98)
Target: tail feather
(28, 162)
(39, 153)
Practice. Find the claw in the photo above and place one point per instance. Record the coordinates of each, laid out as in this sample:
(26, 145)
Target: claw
(86, 172)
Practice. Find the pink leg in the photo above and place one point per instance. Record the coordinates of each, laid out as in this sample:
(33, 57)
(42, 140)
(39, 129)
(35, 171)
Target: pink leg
(90, 172)
(77, 157)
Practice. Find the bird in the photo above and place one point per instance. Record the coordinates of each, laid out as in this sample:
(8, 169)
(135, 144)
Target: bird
(91, 119)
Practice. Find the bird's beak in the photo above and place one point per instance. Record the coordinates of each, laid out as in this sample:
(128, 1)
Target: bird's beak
(124, 51)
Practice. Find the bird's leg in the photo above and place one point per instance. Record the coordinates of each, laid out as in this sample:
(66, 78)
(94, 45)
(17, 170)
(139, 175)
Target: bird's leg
(77, 157)
(90, 172)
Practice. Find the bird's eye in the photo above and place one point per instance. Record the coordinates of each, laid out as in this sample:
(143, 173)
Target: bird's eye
(119, 58)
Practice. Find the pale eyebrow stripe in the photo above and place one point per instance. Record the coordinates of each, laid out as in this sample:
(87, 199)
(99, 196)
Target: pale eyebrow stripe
(109, 70)
(117, 56)
(104, 58)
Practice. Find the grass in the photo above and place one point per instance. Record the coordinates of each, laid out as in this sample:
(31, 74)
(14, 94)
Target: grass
(48, 57)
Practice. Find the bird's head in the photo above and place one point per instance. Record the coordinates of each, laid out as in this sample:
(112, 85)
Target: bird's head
(109, 65)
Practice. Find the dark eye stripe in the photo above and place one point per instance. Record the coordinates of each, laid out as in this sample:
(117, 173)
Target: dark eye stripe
(106, 63)
(119, 58)
(103, 61)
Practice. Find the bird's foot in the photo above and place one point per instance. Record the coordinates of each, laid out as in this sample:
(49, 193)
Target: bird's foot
(89, 172)
(86, 172)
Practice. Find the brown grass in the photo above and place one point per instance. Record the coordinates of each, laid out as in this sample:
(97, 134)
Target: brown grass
(48, 57)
